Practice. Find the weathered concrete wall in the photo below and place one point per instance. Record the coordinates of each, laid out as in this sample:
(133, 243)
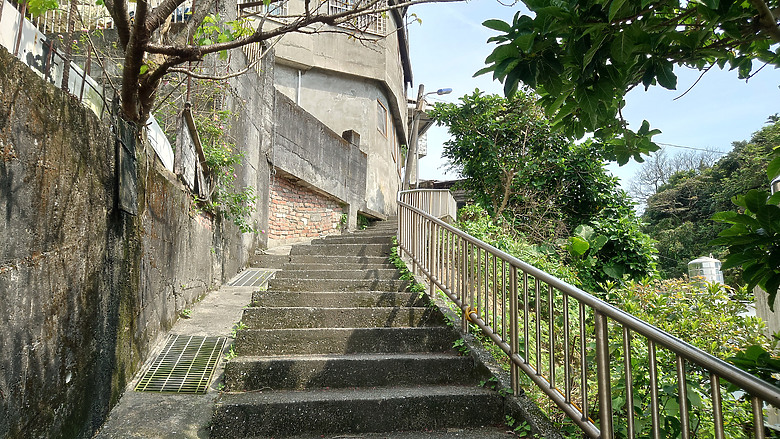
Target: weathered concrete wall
(341, 80)
(253, 105)
(298, 213)
(344, 102)
(87, 289)
(67, 272)
(308, 150)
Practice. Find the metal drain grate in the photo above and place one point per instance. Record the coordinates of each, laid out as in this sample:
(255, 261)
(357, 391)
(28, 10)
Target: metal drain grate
(185, 365)
(252, 277)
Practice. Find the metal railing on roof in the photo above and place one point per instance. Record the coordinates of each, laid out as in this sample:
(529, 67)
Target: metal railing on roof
(558, 335)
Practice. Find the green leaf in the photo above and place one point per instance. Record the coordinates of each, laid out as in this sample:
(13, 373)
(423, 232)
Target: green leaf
(144, 69)
(578, 246)
(595, 46)
(614, 8)
(615, 271)
(598, 242)
(737, 259)
(755, 200)
(525, 42)
(773, 168)
(666, 77)
(498, 25)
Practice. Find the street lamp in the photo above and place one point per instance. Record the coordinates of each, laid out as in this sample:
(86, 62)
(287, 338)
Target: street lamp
(412, 153)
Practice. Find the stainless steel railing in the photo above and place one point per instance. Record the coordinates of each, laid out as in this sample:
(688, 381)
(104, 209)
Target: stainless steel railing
(558, 335)
(438, 203)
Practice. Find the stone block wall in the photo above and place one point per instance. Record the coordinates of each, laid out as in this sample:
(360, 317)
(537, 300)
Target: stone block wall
(87, 290)
(297, 212)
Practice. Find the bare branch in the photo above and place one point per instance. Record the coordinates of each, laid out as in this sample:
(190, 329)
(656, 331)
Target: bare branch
(195, 51)
(160, 14)
(766, 20)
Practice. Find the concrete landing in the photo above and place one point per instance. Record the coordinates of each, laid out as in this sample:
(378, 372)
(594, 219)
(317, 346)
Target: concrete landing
(174, 416)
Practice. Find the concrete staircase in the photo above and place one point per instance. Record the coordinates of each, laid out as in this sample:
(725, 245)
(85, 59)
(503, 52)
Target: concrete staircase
(339, 346)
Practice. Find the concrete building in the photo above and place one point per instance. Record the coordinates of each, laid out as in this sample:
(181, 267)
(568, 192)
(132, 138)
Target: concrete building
(352, 77)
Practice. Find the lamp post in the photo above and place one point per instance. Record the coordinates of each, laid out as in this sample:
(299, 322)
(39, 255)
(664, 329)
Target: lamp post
(412, 152)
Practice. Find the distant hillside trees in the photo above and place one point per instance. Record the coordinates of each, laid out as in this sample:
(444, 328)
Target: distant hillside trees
(679, 214)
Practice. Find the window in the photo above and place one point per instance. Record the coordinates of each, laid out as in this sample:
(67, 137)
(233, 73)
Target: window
(277, 8)
(381, 118)
(374, 23)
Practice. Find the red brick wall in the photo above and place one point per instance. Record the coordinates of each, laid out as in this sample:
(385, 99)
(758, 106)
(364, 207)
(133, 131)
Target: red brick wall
(298, 212)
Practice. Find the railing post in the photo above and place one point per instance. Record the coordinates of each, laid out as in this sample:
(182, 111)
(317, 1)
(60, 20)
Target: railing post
(514, 337)
(433, 260)
(602, 375)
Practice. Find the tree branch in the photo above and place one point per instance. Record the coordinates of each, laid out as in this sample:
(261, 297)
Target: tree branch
(259, 36)
(766, 20)
(161, 13)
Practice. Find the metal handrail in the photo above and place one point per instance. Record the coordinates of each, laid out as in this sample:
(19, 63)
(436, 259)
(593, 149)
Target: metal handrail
(480, 279)
(436, 202)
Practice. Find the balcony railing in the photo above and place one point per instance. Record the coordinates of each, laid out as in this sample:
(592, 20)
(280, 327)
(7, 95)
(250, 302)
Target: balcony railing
(558, 336)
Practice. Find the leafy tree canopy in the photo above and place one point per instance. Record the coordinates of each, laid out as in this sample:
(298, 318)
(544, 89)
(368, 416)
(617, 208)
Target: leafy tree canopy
(582, 57)
(543, 185)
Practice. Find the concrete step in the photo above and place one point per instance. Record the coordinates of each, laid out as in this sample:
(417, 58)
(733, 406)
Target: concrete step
(338, 266)
(340, 273)
(355, 239)
(498, 432)
(337, 299)
(268, 261)
(340, 371)
(343, 249)
(343, 340)
(312, 317)
(337, 285)
(338, 259)
(280, 414)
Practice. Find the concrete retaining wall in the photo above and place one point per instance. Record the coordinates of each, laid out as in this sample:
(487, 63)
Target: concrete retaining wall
(86, 289)
(306, 149)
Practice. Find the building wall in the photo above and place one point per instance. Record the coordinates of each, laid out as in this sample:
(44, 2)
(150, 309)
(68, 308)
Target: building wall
(299, 213)
(306, 150)
(341, 80)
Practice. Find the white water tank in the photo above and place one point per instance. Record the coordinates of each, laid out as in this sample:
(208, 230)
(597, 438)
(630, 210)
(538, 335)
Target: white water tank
(705, 269)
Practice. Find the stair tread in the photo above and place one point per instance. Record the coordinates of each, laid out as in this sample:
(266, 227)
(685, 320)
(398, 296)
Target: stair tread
(500, 432)
(284, 397)
(347, 357)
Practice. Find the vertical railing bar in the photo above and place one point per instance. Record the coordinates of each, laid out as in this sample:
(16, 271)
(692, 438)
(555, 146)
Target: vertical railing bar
(503, 300)
(629, 382)
(566, 352)
(602, 374)
(478, 286)
(487, 292)
(683, 398)
(432, 259)
(652, 369)
(462, 285)
(526, 349)
(717, 407)
(495, 297)
(758, 417)
(551, 329)
(583, 364)
(538, 336)
(513, 331)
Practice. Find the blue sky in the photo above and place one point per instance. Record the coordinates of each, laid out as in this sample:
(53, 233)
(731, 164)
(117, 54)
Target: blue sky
(451, 44)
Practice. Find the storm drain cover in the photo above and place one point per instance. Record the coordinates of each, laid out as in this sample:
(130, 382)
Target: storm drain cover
(251, 277)
(185, 365)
